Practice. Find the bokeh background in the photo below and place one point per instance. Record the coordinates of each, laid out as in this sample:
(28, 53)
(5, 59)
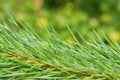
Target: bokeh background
(82, 16)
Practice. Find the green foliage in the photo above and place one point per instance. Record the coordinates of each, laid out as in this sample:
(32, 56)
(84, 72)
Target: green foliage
(83, 15)
(25, 55)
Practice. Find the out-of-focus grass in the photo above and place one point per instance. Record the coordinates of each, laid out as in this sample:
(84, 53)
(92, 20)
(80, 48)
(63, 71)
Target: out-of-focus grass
(84, 15)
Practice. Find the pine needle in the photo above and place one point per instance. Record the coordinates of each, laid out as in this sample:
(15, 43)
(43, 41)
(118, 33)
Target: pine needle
(25, 55)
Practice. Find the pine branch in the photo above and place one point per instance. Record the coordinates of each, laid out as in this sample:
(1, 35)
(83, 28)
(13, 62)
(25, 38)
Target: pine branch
(28, 56)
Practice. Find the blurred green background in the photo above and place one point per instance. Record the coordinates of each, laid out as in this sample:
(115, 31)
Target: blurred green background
(83, 16)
